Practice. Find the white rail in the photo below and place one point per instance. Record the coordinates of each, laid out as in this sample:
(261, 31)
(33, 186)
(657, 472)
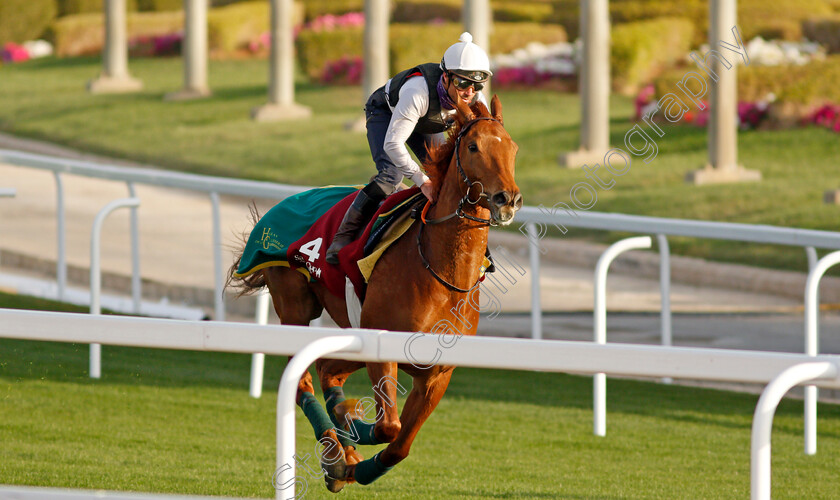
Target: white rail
(763, 419)
(95, 275)
(530, 216)
(599, 382)
(812, 346)
(308, 343)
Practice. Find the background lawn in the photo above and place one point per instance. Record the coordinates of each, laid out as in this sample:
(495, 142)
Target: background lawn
(182, 422)
(46, 99)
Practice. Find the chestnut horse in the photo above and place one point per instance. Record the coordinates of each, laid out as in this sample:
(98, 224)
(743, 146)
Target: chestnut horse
(421, 279)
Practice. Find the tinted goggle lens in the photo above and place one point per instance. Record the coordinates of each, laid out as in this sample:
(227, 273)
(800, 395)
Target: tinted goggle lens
(464, 84)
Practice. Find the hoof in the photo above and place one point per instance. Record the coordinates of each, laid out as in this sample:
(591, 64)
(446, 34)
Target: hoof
(333, 460)
(334, 485)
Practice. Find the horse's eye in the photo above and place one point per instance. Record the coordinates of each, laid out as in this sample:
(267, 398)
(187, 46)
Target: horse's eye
(473, 148)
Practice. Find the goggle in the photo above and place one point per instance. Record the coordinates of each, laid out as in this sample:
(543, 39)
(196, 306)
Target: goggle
(463, 84)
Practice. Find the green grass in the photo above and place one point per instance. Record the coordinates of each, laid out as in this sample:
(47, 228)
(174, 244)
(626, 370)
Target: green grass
(46, 99)
(182, 422)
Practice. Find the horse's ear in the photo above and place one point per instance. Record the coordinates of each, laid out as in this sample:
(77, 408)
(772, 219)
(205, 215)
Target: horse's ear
(496, 108)
(464, 110)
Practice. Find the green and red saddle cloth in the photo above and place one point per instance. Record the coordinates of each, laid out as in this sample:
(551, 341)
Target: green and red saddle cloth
(297, 232)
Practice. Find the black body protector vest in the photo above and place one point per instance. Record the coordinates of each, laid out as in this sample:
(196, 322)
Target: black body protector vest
(432, 122)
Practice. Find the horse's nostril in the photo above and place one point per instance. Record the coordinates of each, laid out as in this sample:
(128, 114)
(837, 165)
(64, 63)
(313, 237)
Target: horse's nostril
(501, 199)
(517, 201)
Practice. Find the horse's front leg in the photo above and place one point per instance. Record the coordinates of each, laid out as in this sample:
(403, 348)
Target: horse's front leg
(425, 395)
(383, 377)
(354, 416)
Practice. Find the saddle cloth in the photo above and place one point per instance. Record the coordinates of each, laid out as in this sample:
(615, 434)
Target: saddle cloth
(297, 232)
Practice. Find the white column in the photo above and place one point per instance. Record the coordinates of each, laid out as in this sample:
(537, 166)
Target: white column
(281, 78)
(478, 19)
(376, 69)
(114, 77)
(723, 106)
(194, 51)
(594, 86)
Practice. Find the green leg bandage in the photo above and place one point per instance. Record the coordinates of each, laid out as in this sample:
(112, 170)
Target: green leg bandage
(368, 471)
(332, 397)
(362, 432)
(315, 413)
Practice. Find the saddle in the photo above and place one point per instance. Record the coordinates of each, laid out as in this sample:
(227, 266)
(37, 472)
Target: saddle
(297, 231)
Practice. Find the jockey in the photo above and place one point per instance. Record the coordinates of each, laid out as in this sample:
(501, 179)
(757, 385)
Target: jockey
(411, 111)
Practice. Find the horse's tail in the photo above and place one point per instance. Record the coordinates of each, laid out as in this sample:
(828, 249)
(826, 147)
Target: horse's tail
(245, 285)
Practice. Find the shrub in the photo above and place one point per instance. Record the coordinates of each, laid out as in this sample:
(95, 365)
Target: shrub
(421, 11)
(85, 33)
(22, 20)
(316, 8)
(160, 5)
(71, 7)
(824, 31)
(643, 49)
(236, 25)
(533, 12)
(770, 19)
(316, 48)
(412, 44)
(798, 90)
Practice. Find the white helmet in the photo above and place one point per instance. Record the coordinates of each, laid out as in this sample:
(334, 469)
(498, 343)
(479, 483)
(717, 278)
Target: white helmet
(467, 59)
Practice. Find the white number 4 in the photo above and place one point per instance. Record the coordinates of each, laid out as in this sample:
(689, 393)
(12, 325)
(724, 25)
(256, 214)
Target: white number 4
(311, 249)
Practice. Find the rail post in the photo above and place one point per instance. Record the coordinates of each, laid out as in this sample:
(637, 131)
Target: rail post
(600, 321)
(95, 366)
(762, 425)
(285, 472)
(812, 342)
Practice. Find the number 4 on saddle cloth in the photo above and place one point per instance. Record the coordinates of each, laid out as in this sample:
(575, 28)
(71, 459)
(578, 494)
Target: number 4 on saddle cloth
(297, 232)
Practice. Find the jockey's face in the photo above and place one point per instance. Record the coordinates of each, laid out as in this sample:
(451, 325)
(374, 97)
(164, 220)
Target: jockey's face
(467, 95)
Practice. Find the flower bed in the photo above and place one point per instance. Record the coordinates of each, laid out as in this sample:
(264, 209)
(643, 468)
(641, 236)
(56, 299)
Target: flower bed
(160, 45)
(13, 52)
(827, 116)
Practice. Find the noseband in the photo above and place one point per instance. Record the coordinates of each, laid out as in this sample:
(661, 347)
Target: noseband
(459, 212)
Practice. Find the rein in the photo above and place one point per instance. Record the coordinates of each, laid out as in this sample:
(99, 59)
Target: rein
(459, 212)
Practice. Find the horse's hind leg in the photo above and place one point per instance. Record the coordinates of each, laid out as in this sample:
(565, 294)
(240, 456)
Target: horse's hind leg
(295, 304)
(332, 374)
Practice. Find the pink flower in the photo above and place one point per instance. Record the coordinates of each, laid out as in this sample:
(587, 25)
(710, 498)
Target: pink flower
(13, 53)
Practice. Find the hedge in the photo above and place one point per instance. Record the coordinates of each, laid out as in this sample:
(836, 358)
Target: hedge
(825, 31)
(22, 20)
(517, 11)
(798, 89)
(316, 8)
(85, 33)
(160, 5)
(767, 18)
(422, 11)
(643, 49)
(231, 27)
(228, 28)
(412, 44)
(71, 7)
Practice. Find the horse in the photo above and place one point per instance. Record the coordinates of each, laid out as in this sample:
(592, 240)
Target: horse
(440, 259)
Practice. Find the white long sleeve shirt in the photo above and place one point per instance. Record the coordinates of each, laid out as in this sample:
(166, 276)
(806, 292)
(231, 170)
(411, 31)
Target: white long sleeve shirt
(413, 104)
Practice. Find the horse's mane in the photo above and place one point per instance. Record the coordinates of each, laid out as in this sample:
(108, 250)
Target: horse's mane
(439, 158)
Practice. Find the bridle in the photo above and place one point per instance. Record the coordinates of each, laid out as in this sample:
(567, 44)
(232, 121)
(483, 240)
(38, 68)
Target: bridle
(459, 212)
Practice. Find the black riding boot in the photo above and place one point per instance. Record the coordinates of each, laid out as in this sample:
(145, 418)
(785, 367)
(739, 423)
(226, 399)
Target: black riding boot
(365, 205)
